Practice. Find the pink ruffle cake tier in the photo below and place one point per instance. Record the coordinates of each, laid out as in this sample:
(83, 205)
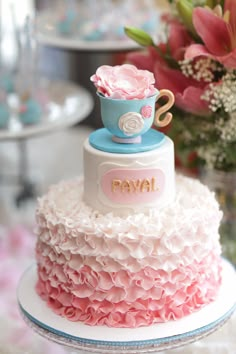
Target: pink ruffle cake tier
(128, 271)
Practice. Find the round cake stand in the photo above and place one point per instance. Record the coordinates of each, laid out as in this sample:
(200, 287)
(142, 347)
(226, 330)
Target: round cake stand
(66, 104)
(46, 34)
(58, 41)
(100, 339)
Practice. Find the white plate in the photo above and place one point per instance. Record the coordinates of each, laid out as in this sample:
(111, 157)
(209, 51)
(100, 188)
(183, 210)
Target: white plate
(100, 339)
(66, 104)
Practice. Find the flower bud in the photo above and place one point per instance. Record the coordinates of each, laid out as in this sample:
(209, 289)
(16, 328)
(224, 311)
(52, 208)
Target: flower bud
(211, 3)
(139, 36)
(185, 10)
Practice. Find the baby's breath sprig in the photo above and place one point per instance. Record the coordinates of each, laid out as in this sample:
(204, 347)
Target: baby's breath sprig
(227, 128)
(203, 69)
(223, 94)
(213, 138)
(214, 155)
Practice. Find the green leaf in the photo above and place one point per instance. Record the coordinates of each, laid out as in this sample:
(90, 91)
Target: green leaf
(139, 36)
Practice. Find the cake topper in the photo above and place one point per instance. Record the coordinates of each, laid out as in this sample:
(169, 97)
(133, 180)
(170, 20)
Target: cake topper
(128, 97)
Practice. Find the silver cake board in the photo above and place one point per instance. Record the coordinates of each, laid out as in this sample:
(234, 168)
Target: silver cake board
(101, 339)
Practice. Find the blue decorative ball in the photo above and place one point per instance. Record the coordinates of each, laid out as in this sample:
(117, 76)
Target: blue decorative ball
(7, 83)
(31, 113)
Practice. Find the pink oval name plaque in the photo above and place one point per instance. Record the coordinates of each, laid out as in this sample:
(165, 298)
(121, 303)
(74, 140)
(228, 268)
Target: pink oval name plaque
(124, 186)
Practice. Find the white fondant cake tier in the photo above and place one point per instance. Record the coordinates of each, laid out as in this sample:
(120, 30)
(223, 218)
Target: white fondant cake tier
(127, 183)
(128, 271)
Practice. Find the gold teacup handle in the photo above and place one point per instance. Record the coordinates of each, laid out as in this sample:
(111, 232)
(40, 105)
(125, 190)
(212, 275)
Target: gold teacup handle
(168, 117)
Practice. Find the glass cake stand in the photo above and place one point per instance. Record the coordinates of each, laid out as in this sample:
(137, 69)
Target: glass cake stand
(82, 338)
(51, 38)
(47, 34)
(64, 104)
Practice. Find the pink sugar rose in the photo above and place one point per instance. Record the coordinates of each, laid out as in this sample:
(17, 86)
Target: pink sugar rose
(146, 111)
(124, 82)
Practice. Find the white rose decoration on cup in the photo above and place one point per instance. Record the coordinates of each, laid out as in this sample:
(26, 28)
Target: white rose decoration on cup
(128, 97)
(131, 123)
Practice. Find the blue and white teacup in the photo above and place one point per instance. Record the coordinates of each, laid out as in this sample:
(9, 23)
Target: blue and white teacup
(128, 120)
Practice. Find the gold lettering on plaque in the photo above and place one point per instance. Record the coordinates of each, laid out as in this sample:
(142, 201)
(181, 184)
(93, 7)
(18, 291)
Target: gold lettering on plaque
(115, 184)
(145, 185)
(136, 185)
(153, 182)
(125, 186)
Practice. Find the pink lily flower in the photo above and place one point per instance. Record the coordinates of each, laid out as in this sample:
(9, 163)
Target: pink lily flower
(187, 91)
(218, 33)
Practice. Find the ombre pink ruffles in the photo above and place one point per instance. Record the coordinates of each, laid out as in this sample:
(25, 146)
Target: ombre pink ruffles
(125, 299)
(131, 271)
